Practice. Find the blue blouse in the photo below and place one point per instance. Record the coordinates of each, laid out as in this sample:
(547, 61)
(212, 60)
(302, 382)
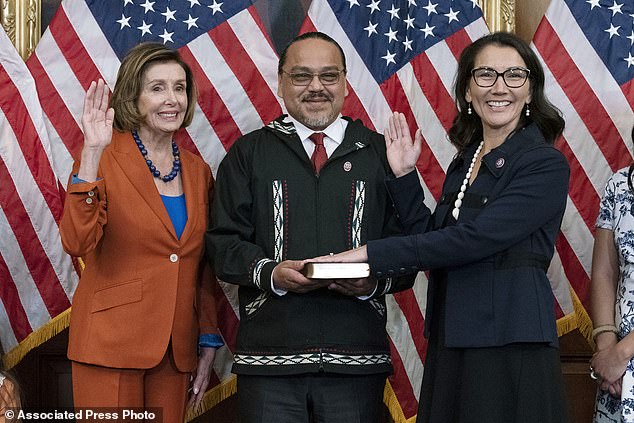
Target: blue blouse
(177, 210)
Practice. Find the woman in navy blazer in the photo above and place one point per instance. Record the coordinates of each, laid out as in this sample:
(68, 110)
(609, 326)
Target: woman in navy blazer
(493, 352)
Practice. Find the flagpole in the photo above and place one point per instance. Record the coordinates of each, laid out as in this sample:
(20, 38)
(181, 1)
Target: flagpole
(499, 14)
(21, 20)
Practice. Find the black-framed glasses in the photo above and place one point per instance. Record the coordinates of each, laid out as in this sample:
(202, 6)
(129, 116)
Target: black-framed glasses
(303, 79)
(514, 77)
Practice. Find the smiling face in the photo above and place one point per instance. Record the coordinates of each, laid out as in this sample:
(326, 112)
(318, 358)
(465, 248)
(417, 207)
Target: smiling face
(163, 99)
(498, 106)
(315, 105)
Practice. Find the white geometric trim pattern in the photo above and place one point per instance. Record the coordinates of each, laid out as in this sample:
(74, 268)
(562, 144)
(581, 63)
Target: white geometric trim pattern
(357, 216)
(378, 306)
(312, 358)
(256, 304)
(285, 127)
(278, 219)
(257, 270)
(388, 285)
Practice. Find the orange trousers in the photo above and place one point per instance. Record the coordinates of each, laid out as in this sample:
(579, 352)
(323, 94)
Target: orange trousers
(162, 387)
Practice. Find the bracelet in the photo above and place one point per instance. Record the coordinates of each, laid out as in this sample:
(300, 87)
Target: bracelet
(602, 329)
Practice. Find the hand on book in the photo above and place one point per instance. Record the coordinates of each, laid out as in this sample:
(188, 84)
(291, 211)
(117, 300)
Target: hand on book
(358, 255)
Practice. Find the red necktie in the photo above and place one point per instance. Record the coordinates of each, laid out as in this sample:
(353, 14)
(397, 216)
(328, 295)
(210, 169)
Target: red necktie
(319, 156)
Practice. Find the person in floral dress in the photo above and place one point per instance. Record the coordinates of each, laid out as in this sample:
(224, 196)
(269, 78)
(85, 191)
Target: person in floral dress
(612, 301)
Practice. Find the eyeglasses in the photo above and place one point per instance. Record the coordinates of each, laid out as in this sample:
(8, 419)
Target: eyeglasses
(513, 77)
(303, 79)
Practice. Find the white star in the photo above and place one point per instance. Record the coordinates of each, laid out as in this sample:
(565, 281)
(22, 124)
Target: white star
(124, 21)
(475, 3)
(593, 4)
(353, 3)
(629, 60)
(145, 28)
(616, 8)
(409, 21)
(431, 8)
(391, 35)
(428, 30)
(190, 21)
(453, 16)
(408, 44)
(169, 14)
(631, 38)
(371, 28)
(166, 36)
(125, 3)
(148, 5)
(374, 5)
(389, 58)
(215, 7)
(411, 2)
(394, 13)
(192, 3)
(612, 30)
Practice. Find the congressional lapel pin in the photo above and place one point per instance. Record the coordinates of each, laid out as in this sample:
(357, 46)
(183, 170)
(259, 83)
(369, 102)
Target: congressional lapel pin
(499, 162)
(347, 166)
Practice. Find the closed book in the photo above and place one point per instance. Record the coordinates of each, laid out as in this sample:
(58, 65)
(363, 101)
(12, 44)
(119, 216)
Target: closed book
(336, 270)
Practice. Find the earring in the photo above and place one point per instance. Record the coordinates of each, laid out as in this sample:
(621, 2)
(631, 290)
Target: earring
(469, 109)
(528, 111)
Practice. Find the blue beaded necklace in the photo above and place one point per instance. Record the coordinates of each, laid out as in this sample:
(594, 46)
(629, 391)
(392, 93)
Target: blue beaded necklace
(176, 166)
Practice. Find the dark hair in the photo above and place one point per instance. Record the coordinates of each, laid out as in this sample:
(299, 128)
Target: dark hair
(308, 36)
(467, 128)
(130, 82)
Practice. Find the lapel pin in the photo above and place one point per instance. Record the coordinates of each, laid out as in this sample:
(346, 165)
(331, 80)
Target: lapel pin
(499, 162)
(347, 166)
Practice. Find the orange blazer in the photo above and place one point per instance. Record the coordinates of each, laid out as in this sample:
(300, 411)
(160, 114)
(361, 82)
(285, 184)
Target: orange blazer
(142, 286)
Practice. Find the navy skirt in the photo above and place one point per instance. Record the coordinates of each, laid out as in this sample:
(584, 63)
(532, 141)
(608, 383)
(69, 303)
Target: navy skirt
(516, 383)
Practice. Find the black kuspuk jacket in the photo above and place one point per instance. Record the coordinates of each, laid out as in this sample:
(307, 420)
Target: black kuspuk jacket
(269, 206)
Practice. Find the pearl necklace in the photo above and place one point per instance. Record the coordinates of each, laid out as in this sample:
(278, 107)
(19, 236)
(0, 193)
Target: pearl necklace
(456, 205)
(176, 166)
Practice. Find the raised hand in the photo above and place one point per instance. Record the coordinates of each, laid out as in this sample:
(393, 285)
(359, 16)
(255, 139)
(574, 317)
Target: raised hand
(96, 121)
(97, 118)
(402, 151)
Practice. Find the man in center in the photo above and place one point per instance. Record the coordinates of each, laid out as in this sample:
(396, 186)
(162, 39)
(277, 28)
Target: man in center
(308, 184)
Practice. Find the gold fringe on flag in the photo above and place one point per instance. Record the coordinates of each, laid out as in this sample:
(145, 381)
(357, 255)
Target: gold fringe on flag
(584, 323)
(37, 338)
(578, 320)
(393, 406)
(213, 397)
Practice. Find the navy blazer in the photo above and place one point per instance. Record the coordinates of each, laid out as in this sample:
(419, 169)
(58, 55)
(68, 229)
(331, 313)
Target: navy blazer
(496, 256)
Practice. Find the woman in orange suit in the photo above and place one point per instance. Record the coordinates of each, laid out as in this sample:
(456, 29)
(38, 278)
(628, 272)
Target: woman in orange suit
(143, 324)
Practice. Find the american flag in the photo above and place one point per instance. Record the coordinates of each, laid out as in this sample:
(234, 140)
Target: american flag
(586, 47)
(37, 279)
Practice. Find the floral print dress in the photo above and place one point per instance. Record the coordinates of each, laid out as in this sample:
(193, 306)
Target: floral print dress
(616, 213)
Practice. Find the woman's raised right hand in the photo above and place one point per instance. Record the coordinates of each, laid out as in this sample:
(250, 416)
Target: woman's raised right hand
(97, 118)
(402, 150)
